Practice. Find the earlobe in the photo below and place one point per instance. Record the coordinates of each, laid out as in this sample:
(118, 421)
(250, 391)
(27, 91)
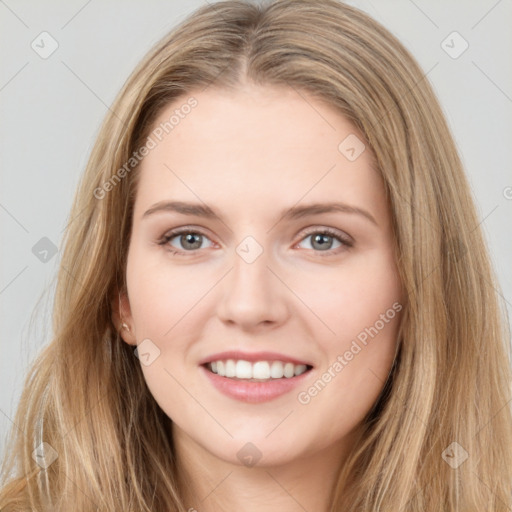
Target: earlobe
(126, 334)
(122, 318)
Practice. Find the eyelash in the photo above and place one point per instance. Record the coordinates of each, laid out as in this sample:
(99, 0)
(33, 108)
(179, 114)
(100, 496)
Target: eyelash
(345, 240)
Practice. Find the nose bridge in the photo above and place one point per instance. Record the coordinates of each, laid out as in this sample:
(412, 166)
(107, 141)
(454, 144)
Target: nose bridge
(250, 265)
(251, 293)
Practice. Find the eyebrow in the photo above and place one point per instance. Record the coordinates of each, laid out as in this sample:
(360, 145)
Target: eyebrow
(295, 212)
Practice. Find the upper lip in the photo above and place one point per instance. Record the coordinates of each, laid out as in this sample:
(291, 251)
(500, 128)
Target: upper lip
(252, 357)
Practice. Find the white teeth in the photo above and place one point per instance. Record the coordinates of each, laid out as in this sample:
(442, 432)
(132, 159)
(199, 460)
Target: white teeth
(243, 370)
(230, 368)
(300, 368)
(276, 370)
(261, 370)
(289, 370)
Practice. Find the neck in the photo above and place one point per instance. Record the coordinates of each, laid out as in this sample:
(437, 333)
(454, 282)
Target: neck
(208, 483)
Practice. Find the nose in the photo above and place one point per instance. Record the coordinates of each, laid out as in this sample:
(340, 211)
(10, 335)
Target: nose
(252, 294)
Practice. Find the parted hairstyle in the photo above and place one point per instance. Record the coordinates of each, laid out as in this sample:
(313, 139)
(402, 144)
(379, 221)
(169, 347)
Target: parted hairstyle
(85, 394)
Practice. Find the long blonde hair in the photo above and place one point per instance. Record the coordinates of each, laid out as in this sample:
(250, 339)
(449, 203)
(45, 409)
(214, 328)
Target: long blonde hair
(85, 395)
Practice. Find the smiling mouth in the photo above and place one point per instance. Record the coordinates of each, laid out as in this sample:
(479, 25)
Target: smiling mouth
(259, 371)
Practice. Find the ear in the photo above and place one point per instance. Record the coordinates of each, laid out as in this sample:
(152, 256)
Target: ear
(122, 317)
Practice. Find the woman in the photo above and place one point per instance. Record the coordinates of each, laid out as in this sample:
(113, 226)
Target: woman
(331, 338)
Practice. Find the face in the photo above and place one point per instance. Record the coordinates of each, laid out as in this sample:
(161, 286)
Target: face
(230, 263)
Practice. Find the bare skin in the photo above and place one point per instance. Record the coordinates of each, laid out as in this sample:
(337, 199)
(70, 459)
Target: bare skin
(249, 155)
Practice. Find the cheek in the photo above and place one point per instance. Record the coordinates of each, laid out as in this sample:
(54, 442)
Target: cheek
(162, 294)
(370, 307)
(348, 386)
(361, 303)
(353, 296)
(162, 300)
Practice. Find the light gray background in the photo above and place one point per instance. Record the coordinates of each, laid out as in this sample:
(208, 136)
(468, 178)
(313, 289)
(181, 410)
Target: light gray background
(51, 110)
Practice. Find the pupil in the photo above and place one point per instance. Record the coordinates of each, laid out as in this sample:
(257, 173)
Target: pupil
(189, 238)
(321, 240)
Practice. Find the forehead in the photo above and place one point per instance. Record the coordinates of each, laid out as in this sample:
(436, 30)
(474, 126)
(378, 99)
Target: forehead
(256, 146)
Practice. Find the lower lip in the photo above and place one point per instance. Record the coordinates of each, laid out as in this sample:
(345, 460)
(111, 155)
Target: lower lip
(254, 392)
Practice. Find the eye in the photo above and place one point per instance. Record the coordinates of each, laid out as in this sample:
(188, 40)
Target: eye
(188, 240)
(324, 240)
